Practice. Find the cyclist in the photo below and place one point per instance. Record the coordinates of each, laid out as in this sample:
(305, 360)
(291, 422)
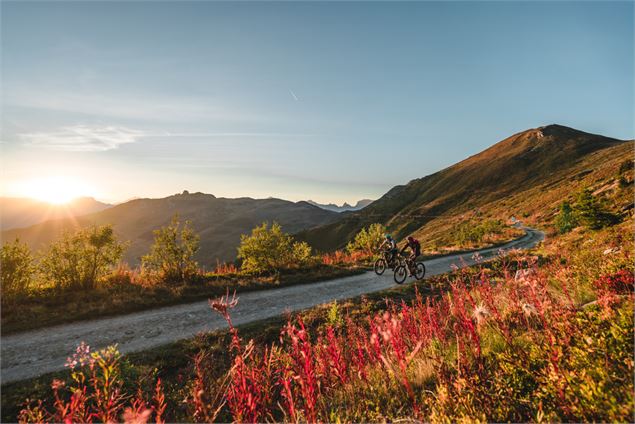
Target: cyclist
(415, 249)
(391, 249)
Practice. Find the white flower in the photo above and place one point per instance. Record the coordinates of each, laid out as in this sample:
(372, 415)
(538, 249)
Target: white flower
(529, 309)
(480, 314)
(523, 274)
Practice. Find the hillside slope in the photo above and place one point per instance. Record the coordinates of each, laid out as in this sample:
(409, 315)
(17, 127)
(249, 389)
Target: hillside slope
(17, 212)
(544, 156)
(219, 222)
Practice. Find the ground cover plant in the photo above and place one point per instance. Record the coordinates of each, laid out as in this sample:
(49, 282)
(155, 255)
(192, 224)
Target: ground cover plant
(540, 337)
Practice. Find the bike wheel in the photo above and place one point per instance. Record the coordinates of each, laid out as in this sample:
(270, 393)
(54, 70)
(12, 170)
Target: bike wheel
(380, 266)
(401, 273)
(420, 270)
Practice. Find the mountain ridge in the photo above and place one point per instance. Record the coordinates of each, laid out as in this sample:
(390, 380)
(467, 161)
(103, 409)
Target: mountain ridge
(219, 222)
(520, 161)
(361, 204)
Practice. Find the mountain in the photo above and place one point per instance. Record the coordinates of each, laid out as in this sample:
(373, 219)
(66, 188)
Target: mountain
(361, 204)
(16, 212)
(218, 221)
(549, 159)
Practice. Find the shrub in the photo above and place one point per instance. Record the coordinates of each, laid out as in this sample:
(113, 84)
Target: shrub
(16, 269)
(472, 233)
(270, 249)
(566, 220)
(81, 259)
(625, 166)
(621, 282)
(591, 212)
(171, 257)
(301, 253)
(368, 239)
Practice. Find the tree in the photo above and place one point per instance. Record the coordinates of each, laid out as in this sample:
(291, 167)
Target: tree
(591, 212)
(171, 256)
(16, 269)
(81, 259)
(270, 249)
(566, 219)
(368, 239)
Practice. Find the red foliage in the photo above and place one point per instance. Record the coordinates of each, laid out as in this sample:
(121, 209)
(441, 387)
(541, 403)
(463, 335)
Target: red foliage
(621, 282)
(340, 257)
(223, 268)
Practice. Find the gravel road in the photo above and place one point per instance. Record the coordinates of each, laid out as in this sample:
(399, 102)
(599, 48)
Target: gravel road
(33, 353)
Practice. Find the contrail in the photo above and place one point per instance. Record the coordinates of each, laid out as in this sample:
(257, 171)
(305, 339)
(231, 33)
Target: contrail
(293, 95)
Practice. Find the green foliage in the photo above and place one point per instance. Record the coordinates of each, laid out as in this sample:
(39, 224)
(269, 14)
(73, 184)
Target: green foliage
(368, 239)
(171, 257)
(81, 259)
(301, 253)
(471, 233)
(334, 316)
(566, 219)
(591, 211)
(270, 249)
(16, 269)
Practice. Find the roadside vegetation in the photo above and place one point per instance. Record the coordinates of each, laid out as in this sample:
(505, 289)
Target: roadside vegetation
(539, 336)
(81, 275)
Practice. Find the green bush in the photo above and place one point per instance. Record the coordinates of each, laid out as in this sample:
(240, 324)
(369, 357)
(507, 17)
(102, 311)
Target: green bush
(368, 239)
(81, 259)
(566, 219)
(171, 257)
(16, 269)
(270, 249)
(591, 211)
(472, 233)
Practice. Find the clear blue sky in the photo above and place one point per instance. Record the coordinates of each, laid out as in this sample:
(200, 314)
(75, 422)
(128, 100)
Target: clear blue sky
(328, 101)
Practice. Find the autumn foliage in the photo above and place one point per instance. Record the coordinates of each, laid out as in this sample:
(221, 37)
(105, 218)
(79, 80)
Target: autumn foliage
(497, 343)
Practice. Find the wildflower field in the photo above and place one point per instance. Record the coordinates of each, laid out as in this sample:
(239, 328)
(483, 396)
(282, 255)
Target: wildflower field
(545, 336)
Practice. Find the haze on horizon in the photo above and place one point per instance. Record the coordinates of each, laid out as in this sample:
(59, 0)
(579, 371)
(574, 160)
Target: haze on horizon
(324, 101)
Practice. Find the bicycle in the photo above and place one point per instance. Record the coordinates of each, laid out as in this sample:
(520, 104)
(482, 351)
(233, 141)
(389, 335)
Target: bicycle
(386, 262)
(406, 267)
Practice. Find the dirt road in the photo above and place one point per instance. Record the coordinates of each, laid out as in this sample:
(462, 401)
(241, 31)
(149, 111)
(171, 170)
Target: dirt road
(33, 353)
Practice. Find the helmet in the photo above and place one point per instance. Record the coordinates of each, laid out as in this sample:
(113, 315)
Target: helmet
(388, 236)
(411, 239)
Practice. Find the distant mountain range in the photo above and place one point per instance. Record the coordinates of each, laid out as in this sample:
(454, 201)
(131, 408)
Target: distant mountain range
(218, 221)
(543, 165)
(16, 212)
(361, 204)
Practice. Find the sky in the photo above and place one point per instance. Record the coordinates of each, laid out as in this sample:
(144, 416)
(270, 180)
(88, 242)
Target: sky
(313, 100)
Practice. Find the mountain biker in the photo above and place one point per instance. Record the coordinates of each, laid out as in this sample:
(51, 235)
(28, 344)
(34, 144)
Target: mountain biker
(414, 246)
(391, 249)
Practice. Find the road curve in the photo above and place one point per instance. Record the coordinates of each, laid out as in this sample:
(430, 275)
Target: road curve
(33, 353)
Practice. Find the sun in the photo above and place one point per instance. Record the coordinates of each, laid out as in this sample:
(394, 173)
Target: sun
(55, 189)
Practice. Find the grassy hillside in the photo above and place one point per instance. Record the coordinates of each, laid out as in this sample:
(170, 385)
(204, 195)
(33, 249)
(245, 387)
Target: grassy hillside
(509, 178)
(218, 221)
